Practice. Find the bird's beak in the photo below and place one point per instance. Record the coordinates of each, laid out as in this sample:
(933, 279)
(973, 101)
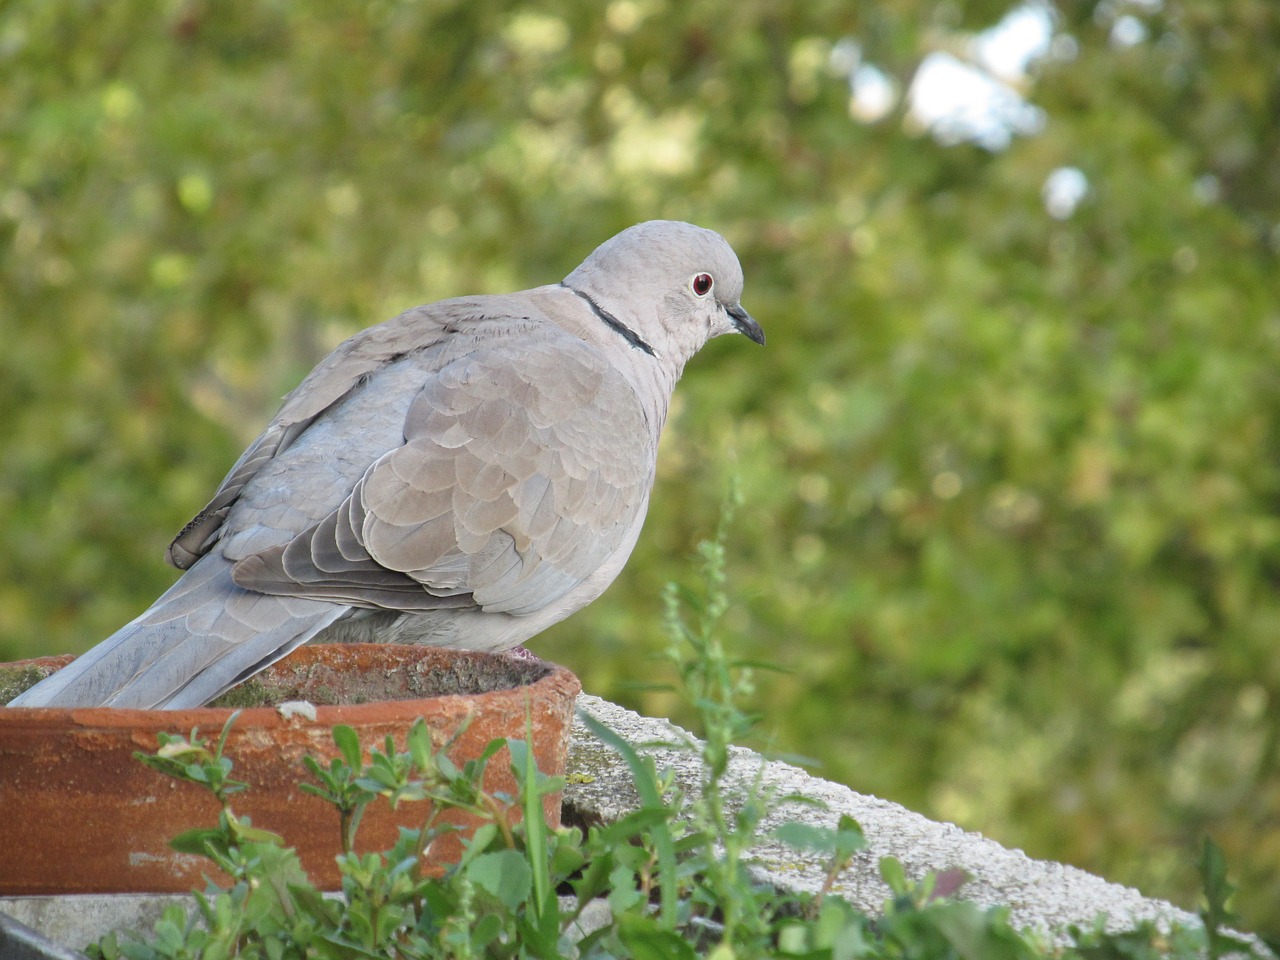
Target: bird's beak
(745, 324)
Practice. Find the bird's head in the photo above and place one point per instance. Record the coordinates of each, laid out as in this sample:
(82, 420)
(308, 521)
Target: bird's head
(674, 285)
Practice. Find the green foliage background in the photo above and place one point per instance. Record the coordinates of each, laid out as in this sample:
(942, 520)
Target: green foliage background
(1012, 483)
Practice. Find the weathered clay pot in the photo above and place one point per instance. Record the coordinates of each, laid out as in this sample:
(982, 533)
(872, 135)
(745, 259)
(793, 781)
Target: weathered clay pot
(78, 814)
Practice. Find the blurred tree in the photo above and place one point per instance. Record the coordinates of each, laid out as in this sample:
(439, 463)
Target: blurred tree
(1011, 460)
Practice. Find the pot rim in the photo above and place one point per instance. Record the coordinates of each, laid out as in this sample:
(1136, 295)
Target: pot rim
(544, 688)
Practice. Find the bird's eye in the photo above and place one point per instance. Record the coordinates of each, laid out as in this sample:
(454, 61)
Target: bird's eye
(702, 284)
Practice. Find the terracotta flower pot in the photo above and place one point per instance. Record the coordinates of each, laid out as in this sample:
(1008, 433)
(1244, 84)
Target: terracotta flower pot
(78, 814)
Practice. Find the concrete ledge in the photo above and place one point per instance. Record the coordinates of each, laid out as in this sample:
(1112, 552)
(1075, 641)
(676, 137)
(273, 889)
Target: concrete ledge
(1042, 895)
(20, 942)
(76, 921)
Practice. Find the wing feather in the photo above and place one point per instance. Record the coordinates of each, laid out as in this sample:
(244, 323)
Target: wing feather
(524, 467)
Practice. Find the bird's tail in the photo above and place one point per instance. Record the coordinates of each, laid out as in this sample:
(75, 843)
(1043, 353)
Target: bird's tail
(203, 636)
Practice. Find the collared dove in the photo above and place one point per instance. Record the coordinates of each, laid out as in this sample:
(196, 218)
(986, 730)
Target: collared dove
(463, 475)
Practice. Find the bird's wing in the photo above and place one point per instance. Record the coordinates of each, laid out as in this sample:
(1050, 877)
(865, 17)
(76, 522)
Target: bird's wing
(526, 463)
(328, 383)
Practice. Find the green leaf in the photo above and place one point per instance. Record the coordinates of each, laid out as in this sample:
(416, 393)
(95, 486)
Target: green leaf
(596, 876)
(484, 836)
(524, 768)
(226, 732)
(567, 855)
(849, 837)
(892, 873)
(419, 744)
(841, 928)
(504, 874)
(244, 832)
(197, 841)
(636, 824)
(646, 940)
(491, 748)
(486, 930)
(809, 837)
(348, 744)
(977, 934)
(624, 894)
(1216, 911)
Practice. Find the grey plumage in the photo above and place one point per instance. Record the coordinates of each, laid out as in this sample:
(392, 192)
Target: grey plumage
(465, 474)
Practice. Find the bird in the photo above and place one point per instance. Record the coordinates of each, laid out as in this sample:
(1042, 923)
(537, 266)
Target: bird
(464, 475)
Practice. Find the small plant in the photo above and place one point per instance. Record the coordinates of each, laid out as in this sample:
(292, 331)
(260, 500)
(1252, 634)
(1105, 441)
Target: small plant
(673, 874)
(1215, 911)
